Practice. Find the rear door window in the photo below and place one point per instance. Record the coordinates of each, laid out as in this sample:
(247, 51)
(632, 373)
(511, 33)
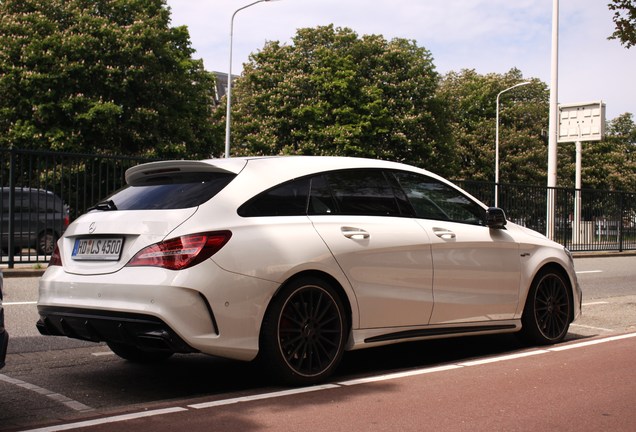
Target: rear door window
(362, 192)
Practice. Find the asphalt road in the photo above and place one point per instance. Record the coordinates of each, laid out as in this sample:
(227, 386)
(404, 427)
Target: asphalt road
(58, 381)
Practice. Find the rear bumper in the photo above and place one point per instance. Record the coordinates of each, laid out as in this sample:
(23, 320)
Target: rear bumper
(142, 331)
(210, 310)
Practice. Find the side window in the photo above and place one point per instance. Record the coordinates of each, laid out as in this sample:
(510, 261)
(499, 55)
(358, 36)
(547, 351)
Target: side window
(321, 201)
(354, 192)
(287, 199)
(42, 203)
(433, 199)
(23, 203)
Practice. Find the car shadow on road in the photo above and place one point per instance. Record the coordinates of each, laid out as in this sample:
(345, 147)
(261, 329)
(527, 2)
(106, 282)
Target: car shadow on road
(410, 355)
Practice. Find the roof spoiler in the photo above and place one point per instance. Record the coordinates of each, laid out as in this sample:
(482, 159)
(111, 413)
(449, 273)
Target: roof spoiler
(143, 173)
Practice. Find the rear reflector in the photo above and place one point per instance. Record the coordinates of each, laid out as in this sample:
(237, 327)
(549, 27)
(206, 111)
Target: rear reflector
(181, 252)
(56, 258)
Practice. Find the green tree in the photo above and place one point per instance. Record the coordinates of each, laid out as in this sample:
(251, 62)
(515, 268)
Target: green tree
(523, 115)
(625, 21)
(611, 164)
(331, 92)
(101, 76)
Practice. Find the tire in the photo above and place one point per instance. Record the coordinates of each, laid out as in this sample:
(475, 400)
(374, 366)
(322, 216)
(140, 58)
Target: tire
(548, 310)
(304, 332)
(136, 355)
(46, 243)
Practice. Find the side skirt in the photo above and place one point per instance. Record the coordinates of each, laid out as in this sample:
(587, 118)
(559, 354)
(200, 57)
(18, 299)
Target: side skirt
(441, 332)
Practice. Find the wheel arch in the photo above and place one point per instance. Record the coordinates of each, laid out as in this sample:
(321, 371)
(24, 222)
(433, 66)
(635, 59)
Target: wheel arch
(342, 293)
(286, 364)
(557, 268)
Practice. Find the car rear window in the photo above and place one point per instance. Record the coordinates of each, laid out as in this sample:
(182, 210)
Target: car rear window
(176, 191)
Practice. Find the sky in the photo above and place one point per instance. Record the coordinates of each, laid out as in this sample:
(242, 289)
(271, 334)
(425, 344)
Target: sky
(489, 36)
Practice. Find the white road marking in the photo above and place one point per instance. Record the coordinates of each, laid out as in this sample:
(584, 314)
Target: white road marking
(102, 353)
(398, 375)
(592, 342)
(70, 403)
(592, 328)
(595, 303)
(262, 396)
(272, 395)
(502, 358)
(18, 303)
(106, 420)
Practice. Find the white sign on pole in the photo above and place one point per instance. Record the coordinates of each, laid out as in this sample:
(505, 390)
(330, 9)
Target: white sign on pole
(577, 123)
(581, 122)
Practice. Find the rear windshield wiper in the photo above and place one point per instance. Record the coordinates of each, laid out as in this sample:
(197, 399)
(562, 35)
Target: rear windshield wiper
(103, 206)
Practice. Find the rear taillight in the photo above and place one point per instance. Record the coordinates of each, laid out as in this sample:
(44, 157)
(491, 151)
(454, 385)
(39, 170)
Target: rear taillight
(56, 258)
(181, 252)
(67, 221)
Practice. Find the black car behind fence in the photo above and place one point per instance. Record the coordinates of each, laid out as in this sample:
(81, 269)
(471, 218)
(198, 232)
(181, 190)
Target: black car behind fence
(43, 191)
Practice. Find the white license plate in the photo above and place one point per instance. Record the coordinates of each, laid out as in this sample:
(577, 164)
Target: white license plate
(99, 248)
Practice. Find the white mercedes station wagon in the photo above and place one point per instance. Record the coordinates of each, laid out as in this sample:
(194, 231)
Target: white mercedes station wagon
(294, 260)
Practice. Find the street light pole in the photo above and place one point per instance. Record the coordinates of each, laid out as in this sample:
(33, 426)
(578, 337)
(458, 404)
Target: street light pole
(229, 80)
(553, 123)
(497, 141)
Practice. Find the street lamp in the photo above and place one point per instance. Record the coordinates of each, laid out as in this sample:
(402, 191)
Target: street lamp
(553, 122)
(497, 141)
(229, 80)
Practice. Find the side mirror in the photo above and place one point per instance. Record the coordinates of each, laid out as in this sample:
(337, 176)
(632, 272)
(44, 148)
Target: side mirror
(495, 218)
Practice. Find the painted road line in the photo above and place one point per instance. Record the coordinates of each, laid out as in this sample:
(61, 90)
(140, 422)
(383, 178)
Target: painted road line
(502, 358)
(70, 403)
(271, 395)
(592, 342)
(107, 420)
(18, 303)
(592, 328)
(595, 303)
(397, 375)
(102, 353)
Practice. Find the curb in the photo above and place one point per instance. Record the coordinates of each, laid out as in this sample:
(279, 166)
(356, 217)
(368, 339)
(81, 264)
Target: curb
(22, 272)
(603, 254)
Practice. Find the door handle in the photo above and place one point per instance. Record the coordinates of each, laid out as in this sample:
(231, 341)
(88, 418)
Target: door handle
(444, 233)
(354, 233)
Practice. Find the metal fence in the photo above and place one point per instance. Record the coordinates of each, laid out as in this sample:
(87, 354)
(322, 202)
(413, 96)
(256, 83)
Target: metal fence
(607, 222)
(608, 219)
(78, 180)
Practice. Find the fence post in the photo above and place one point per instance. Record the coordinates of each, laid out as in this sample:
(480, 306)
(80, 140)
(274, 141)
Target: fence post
(620, 221)
(11, 225)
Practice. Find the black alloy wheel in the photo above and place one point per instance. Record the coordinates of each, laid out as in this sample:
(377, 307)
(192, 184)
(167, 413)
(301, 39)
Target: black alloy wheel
(546, 317)
(46, 243)
(304, 332)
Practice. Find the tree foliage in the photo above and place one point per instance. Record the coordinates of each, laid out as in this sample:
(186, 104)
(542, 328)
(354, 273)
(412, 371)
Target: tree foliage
(331, 92)
(624, 21)
(523, 115)
(101, 76)
(611, 164)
